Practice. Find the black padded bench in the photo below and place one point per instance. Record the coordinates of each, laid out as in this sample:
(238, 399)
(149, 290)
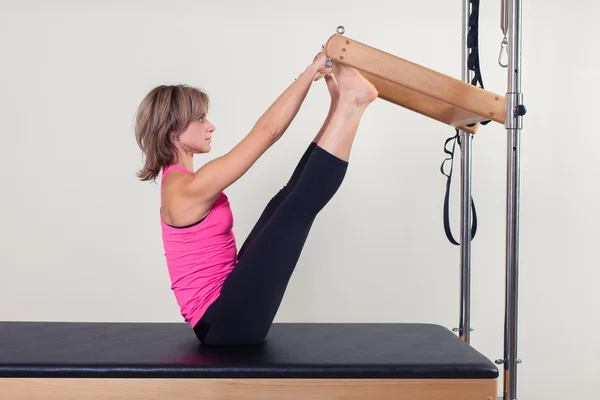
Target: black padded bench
(90, 361)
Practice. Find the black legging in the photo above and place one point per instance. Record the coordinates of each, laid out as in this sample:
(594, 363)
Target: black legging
(252, 293)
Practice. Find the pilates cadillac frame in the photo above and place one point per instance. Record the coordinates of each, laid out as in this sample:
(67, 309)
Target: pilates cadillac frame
(462, 106)
(143, 361)
(515, 110)
(510, 23)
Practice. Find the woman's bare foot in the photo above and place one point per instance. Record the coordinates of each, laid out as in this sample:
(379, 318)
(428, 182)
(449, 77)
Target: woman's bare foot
(333, 88)
(353, 86)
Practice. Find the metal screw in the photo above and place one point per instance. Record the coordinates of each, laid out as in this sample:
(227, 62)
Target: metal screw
(520, 110)
(471, 329)
(519, 361)
(329, 63)
(340, 30)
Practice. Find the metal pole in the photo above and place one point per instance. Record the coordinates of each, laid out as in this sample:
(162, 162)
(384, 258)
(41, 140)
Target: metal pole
(465, 199)
(514, 113)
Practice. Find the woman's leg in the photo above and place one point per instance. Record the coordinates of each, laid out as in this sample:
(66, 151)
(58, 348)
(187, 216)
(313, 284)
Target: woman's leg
(252, 293)
(277, 200)
(285, 191)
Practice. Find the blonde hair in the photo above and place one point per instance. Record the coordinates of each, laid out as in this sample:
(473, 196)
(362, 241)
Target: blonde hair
(164, 113)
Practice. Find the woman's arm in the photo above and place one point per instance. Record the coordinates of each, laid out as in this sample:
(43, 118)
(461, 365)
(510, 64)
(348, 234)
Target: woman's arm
(282, 112)
(211, 179)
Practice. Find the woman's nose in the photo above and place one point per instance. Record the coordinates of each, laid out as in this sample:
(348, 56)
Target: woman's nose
(209, 126)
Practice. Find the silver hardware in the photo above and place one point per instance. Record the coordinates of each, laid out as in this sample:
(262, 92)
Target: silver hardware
(503, 56)
(504, 17)
(465, 195)
(458, 329)
(501, 361)
(513, 126)
(340, 30)
(328, 62)
(503, 61)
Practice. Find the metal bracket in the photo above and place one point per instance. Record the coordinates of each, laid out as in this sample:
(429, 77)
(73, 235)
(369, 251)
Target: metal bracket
(340, 30)
(515, 110)
(458, 329)
(500, 361)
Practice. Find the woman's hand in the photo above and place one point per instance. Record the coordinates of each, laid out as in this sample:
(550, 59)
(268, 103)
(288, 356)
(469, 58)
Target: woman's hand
(319, 67)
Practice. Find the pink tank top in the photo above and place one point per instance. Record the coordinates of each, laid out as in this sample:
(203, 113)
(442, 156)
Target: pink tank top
(199, 257)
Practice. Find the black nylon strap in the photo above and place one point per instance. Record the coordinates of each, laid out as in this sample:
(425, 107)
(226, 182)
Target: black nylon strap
(447, 228)
(473, 45)
(473, 65)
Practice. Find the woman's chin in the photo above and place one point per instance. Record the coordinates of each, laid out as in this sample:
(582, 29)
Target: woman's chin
(205, 149)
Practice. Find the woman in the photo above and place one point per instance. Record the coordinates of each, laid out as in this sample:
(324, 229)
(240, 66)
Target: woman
(231, 298)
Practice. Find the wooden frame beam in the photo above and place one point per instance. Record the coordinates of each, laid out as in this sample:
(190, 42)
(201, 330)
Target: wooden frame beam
(248, 389)
(417, 88)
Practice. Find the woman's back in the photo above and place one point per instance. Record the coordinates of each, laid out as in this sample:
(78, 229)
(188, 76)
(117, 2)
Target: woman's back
(199, 256)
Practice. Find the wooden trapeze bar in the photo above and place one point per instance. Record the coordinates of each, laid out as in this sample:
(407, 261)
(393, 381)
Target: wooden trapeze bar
(417, 88)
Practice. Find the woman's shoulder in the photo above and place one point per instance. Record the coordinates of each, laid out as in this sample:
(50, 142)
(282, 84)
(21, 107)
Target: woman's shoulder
(180, 170)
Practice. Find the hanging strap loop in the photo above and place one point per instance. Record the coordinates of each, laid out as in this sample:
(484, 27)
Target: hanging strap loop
(455, 139)
(477, 80)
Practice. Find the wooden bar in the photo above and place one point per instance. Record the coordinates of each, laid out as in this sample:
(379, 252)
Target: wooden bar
(423, 104)
(417, 88)
(248, 389)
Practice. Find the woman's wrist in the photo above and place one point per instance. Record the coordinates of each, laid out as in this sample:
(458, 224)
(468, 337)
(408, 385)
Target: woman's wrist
(310, 72)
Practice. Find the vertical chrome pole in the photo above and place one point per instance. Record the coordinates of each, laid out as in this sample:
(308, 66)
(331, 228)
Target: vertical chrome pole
(514, 113)
(465, 199)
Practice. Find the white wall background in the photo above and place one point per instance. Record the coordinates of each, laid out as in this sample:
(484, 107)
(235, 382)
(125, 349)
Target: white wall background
(80, 238)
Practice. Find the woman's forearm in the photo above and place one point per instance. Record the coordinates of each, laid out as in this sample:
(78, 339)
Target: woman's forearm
(282, 112)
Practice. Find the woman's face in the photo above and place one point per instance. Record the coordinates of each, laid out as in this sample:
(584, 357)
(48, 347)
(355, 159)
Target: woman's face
(197, 137)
